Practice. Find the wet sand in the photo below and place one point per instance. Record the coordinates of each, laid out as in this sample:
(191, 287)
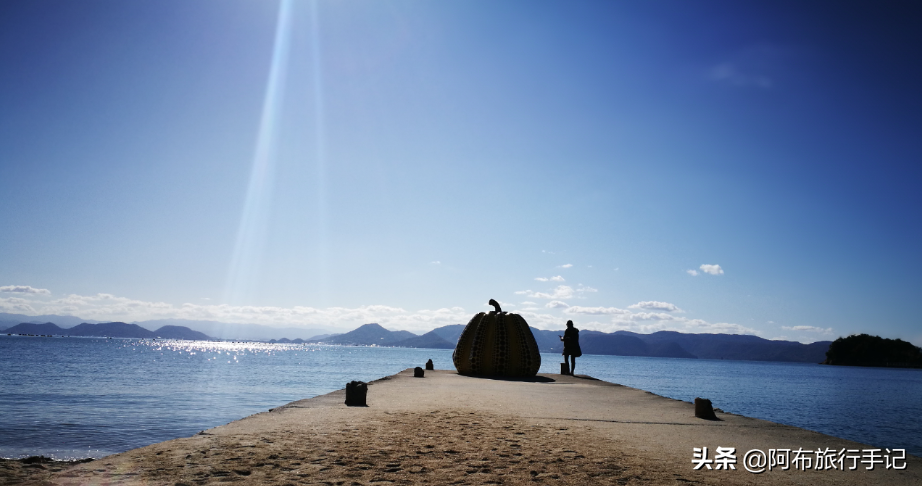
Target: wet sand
(451, 429)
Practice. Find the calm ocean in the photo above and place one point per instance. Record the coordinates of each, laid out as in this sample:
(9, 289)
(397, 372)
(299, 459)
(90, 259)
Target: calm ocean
(78, 397)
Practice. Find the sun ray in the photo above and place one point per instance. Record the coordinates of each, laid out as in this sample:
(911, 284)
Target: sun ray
(251, 234)
(322, 256)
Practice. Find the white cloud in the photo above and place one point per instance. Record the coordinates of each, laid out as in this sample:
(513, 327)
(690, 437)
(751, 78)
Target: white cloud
(652, 316)
(732, 75)
(16, 306)
(557, 279)
(711, 269)
(24, 289)
(562, 292)
(541, 279)
(754, 66)
(654, 305)
(435, 262)
(537, 317)
(647, 322)
(693, 273)
(108, 307)
(724, 328)
(644, 322)
(566, 265)
(595, 310)
(820, 330)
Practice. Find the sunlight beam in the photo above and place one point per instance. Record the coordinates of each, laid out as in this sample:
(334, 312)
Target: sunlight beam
(254, 220)
(322, 256)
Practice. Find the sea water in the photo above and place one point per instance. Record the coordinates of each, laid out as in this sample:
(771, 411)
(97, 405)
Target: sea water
(73, 398)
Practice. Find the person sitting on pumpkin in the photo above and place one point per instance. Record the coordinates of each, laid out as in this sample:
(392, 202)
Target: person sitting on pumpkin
(570, 340)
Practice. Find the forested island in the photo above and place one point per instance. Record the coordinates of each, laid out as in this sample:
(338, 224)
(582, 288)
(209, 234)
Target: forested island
(867, 350)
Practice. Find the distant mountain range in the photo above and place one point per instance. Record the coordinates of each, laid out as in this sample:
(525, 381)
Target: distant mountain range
(9, 320)
(668, 344)
(219, 330)
(108, 329)
(663, 344)
(241, 332)
(374, 334)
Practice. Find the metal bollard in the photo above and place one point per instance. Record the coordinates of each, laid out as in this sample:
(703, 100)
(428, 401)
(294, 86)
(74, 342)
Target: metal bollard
(356, 392)
(704, 409)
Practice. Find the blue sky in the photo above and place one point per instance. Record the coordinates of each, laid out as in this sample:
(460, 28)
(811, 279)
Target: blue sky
(749, 167)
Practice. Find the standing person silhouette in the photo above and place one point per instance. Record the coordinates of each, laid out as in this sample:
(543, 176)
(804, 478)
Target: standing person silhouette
(570, 340)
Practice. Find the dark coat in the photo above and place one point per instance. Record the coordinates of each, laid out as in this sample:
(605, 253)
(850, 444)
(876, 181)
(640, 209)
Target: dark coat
(571, 343)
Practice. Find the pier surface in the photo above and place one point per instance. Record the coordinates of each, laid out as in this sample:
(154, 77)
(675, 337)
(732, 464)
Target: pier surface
(451, 429)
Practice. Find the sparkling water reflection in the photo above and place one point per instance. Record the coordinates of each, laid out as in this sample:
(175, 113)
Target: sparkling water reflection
(876, 406)
(80, 397)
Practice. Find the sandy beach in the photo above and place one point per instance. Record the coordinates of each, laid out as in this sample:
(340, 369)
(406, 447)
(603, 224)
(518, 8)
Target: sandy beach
(452, 429)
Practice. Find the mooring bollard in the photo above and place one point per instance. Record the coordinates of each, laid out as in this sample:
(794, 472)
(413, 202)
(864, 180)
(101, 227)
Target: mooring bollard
(704, 409)
(564, 368)
(418, 372)
(429, 365)
(355, 393)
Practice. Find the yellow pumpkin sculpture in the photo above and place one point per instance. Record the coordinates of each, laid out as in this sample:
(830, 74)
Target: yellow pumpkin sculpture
(497, 344)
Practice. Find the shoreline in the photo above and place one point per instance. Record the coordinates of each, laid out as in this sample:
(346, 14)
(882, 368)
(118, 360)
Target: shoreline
(446, 427)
